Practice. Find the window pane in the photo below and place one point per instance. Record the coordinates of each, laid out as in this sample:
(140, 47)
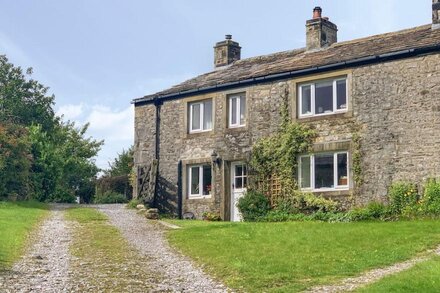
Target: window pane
(324, 172)
(207, 115)
(233, 111)
(324, 97)
(305, 172)
(341, 100)
(306, 100)
(195, 121)
(195, 180)
(238, 183)
(342, 170)
(207, 186)
(238, 170)
(242, 110)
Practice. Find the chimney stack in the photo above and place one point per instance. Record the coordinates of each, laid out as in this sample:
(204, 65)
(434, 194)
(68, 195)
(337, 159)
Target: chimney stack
(226, 52)
(435, 14)
(320, 31)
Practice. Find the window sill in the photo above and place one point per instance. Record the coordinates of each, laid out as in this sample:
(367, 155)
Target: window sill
(199, 131)
(337, 115)
(330, 192)
(200, 197)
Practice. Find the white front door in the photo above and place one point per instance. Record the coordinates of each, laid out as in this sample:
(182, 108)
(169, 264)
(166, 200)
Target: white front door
(238, 188)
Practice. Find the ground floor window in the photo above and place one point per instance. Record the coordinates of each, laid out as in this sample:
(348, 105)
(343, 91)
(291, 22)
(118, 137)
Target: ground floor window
(199, 181)
(324, 171)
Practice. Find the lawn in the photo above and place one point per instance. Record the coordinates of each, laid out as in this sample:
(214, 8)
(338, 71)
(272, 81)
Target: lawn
(290, 257)
(17, 219)
(423, 277)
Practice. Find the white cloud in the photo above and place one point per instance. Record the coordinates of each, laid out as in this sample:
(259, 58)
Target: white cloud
(71, 112)
(112, 124)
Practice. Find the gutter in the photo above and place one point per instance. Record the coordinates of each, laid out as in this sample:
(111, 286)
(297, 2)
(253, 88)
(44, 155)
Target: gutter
(285, 75)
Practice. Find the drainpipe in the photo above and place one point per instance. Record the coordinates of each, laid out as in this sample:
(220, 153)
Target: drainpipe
(158, 103)
(179, 190)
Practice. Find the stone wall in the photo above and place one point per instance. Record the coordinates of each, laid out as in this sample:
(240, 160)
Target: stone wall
(395, 106)
(398, 105)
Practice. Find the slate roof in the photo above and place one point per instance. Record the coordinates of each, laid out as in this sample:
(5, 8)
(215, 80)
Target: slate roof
(297, 61)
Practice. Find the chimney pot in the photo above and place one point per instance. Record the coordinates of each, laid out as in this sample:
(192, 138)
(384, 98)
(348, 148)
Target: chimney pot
(317, 12)
(228, 37)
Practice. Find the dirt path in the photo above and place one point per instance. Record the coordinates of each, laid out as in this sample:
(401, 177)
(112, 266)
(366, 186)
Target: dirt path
(369, 277)
(179, 273)
(45, 266)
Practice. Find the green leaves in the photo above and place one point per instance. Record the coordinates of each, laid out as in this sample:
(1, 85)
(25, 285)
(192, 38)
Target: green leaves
(40, 156)
(277, 155)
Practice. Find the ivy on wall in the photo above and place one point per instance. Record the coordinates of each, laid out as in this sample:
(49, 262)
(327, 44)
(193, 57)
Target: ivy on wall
(276, 156)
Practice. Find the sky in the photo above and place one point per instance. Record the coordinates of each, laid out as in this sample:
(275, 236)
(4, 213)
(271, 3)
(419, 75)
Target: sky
(98, 55)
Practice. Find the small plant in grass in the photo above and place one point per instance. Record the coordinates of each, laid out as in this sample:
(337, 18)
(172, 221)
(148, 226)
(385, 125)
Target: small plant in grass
(253, 205)
(210, 216)
(402, 195)
(132, 204)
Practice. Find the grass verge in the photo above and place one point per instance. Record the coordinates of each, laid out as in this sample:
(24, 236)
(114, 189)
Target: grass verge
(290, 257)
(104, 260)
(17, 220)
(423, 277)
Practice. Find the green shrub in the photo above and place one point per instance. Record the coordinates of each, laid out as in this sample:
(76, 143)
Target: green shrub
(132, 204)
(373, 211)
(213, 217)
(110, 197)
(253, 205)
(310, 203)
(402, 195)
(431, 197)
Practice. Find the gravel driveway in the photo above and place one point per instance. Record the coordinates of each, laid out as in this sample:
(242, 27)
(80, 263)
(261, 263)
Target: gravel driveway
(45, 267)
(179, 273)
(48, 266)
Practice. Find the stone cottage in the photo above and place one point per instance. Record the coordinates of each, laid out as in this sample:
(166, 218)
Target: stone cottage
(377, 98)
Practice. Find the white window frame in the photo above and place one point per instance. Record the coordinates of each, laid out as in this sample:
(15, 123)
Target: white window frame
(336, 187)
(238, 111)
(202, 114)
(200, 194)
(312, 97)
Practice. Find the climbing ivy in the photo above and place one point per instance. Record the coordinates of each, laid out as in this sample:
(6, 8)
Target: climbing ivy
(276, 155)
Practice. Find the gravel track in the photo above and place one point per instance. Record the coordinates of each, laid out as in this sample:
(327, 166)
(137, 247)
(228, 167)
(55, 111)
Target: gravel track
(179, 273)
(45, 265)
(369, 277)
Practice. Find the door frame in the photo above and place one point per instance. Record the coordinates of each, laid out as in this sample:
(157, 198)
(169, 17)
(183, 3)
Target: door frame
(231, 187)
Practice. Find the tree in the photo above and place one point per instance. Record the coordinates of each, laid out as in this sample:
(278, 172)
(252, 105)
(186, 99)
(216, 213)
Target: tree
(41, 157)
(122, 164)
(63, 162)
(15, 161)
(24, 101)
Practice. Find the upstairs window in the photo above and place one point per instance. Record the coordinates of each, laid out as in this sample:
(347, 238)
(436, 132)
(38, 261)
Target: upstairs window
(200, 116)
(237, 110)
(323, 97)
(199, 181)
(327, 171)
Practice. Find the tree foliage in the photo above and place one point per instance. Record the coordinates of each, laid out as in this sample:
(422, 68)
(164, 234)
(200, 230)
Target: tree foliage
(122, 164)
(24, 101)
(41, 157)
(15, 160)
